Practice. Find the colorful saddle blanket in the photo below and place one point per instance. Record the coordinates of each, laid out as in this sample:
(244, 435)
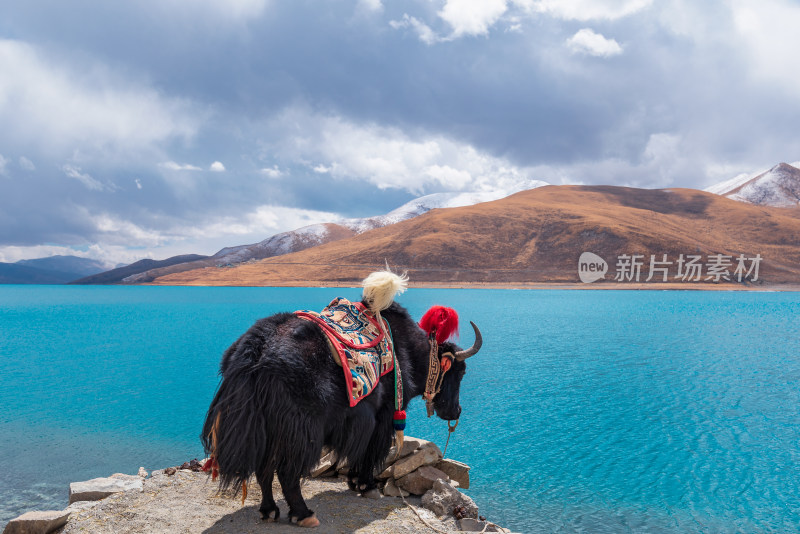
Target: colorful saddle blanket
(363, 347)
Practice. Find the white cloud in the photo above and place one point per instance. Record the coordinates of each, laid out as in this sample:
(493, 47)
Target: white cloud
(172, 166)
(465, 18)
(3, 163)
(665, 159)
(389, 157)
(117, 240)
(585, 10)
(371, 5)
(322, 169)
(26, 164)
(90, 183)
(258, 224)
(56, 107)
(217, 166)
(767, 34)
(662, 155)
(272, 172)
(423, 31)
(138, 183)
(514, 26)
(472, 17)
(111, 229)
(478, 17)
(586, 41)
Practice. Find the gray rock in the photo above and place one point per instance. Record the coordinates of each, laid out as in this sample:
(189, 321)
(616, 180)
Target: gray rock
(391, 490)
(100, 488)
(455, 470)
(80, 506)
(37, 522)
(421, 480)
(443, 498)
(426, 455)
(324, 465)
(123, 476)
(329, 473)
(386, 473)
(142, 472)
(409, 445)
(469, 524)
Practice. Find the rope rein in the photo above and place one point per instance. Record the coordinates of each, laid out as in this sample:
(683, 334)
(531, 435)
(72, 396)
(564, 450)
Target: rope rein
(420, 516)
(450, 430)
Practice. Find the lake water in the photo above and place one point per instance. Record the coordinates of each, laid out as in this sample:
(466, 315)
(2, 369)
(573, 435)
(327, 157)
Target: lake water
(586, 411)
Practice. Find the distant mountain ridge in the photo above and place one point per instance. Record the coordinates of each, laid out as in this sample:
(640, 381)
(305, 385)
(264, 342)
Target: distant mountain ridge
(297, 240)
(538, 236)
(50, 270)
(777, 187)
(115, 275)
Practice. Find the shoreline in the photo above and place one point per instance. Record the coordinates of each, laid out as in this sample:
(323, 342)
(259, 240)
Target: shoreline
(573, 286)
(418, 492)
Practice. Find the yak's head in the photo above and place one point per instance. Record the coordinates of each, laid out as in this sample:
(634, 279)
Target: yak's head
(446, 403)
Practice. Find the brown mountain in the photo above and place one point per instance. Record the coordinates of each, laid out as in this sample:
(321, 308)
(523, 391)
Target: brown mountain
(537, 236)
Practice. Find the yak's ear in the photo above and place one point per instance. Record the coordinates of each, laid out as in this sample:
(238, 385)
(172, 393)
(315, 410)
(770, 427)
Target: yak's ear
(381, 287)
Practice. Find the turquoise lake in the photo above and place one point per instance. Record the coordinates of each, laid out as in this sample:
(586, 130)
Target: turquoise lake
(586, 411)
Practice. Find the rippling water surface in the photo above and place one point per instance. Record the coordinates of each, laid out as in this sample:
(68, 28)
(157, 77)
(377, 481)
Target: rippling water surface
(586, 411)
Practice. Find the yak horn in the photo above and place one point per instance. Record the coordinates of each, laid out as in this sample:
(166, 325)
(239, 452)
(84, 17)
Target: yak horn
(462, 355)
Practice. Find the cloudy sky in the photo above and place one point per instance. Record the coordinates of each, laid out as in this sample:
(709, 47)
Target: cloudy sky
(158, 127)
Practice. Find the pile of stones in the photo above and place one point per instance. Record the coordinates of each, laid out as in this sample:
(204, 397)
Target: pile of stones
(419, 469)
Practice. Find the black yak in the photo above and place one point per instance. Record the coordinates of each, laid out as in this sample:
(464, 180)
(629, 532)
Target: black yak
(282, 399)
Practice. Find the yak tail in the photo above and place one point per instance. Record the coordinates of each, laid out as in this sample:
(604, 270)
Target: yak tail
(381, 287)
(253, 427)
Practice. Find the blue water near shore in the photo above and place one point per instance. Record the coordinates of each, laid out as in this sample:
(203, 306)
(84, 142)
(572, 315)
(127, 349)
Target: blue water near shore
(587, 411)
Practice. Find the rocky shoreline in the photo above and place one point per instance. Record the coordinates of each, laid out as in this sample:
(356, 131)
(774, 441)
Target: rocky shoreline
(417, 494)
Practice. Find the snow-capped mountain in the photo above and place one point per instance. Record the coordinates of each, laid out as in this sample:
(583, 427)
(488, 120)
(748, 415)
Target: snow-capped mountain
(284, 243)
(319, 234)
(777, 187)
(420, 205)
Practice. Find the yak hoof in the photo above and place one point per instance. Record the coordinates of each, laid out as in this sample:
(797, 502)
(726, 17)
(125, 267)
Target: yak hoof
(309, 522)
(374, 493)
(270, 516)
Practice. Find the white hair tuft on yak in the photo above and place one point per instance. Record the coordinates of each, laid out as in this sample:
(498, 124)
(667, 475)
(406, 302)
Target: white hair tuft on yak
(381, 287)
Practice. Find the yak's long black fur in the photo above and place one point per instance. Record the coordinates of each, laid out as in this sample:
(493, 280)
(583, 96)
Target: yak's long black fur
(282, 398)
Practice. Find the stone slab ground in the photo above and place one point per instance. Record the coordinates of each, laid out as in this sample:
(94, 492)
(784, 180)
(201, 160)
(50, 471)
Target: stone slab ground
(187, 502)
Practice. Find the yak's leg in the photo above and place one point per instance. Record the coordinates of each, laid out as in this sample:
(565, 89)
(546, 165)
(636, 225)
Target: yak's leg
(361, 424)
(371, 452)
(375, 453)
(269, 510)
(298, 511)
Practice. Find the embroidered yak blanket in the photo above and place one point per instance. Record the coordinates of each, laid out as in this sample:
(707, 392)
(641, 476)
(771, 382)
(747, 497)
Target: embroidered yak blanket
(361, 345)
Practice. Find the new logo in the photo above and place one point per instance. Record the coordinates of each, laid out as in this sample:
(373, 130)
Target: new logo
(591, 267)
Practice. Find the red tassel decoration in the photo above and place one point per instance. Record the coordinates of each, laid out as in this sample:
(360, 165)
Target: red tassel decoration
(443, 321)
(213, 466)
